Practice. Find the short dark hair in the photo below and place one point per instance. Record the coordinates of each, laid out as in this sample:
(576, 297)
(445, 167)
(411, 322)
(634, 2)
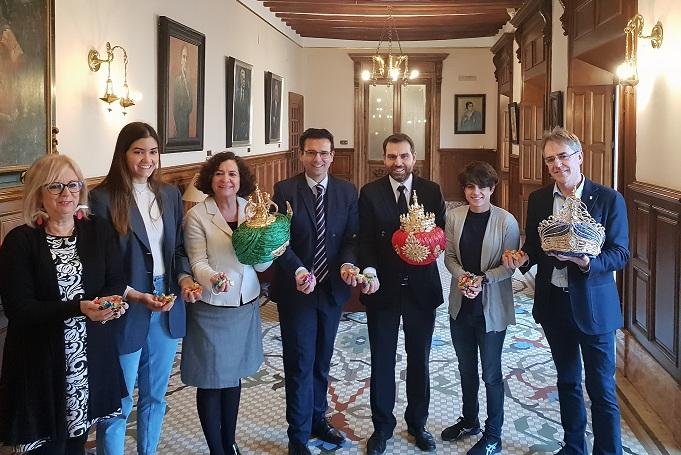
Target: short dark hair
(479, 173)
(471, 103)
(210, 167)
(396, 138)
(315, 133)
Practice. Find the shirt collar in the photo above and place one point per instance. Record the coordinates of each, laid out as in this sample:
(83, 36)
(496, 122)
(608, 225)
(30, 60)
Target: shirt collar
(312, 184)
(578, 191)
(407, 184)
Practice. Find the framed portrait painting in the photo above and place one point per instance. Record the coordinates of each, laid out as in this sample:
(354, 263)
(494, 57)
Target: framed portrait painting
(555, 109)
(469, 114)
(238, 102)
(273, 88)
(26, 74)
(513, 122)
(181, 65)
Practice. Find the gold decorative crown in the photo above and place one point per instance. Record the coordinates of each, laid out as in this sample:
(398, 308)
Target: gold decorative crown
(258, 213)
(417, 220)
(572, 231)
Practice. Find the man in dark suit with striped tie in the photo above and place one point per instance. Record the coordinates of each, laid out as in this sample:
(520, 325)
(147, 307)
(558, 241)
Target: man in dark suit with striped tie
(407, 292)
(312, 281)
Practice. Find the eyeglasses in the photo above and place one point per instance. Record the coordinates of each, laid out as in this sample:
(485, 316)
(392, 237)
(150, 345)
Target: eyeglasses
(562, 157)
(323, 155)
(57, 188)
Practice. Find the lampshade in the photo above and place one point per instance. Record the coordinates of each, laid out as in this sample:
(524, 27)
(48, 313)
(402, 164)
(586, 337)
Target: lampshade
(192, 194)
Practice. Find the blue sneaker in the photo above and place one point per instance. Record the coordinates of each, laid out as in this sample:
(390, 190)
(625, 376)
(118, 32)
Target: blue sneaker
(487, 445)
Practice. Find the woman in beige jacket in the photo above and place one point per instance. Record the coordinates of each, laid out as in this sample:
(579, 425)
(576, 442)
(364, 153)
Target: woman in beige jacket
(480, 301)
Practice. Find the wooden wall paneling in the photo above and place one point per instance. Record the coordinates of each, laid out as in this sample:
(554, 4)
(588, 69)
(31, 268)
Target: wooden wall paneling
(296, 126)
(453, 161)
(653, 275)
(343, 163)
(503, 72)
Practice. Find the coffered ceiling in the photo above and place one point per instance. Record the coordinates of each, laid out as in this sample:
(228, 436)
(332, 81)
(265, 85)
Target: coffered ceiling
(415, 20)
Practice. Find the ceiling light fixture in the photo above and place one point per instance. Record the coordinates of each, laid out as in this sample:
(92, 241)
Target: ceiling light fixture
(389, 69)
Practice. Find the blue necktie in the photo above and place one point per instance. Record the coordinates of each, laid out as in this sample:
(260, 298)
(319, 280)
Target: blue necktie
(320, 267)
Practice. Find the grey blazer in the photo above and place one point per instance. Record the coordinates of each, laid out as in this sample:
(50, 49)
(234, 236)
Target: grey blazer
(502, 234)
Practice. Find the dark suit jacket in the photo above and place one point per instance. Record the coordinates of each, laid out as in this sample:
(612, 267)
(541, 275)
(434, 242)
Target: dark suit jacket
(342, 225)
(139, 265)
(379, 220)
(33, 384)
(595, 302)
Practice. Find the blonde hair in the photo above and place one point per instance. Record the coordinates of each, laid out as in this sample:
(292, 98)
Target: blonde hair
(43, 171)
(562, 136)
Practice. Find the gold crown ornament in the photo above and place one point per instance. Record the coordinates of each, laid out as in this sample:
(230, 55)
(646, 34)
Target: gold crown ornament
(418, 241)
(264, 235)
(572, 231)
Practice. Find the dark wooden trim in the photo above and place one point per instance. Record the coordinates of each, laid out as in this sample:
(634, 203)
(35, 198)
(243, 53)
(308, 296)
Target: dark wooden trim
(652, 306)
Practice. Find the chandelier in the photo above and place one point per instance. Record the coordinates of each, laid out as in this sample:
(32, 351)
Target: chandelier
(390, 68)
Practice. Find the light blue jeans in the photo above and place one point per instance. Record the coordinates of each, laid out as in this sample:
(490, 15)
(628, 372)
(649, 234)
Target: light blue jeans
(151, 366)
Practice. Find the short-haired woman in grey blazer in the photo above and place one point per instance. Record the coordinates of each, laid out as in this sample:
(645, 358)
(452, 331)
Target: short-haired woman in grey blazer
(224, 338)
(481, 309)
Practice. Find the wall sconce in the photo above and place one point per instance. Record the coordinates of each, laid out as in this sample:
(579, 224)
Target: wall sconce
(628, 71)
(94, 62)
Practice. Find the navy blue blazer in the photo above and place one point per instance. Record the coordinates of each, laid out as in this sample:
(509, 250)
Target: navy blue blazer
(139, 265)
(380, 219)
(342, 225)
(595, 301)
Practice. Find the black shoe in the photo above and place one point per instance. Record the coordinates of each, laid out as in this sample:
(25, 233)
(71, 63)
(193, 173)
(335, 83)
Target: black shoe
(424, 440)
(487, 445)
(234, 450)
(376, 443)
(460, 429)
(296, 448)
(324, 431)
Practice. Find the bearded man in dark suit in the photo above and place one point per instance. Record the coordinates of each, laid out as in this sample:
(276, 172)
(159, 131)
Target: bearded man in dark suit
(406, 291)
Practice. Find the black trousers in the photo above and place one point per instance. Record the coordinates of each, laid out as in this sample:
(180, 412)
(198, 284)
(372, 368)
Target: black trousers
(70, 446)
(383, 324)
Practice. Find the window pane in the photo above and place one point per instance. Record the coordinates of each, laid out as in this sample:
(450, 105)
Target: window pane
(380, 119)
(414, 116)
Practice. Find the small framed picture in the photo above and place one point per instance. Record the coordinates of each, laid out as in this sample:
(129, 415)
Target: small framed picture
(469, 112)
(555, 109)
(238, 102)
(273, 87)
(181, 65)
(513, 122)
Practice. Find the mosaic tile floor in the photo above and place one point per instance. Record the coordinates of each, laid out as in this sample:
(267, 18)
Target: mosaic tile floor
(532, 420)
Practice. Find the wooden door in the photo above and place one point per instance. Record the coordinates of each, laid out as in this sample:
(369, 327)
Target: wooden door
(590, 117)
(531, 162)
(296, 126)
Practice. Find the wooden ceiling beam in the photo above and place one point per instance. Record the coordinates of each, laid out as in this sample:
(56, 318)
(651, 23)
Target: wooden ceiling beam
(402, 22)
(365, 35)
(380, 11)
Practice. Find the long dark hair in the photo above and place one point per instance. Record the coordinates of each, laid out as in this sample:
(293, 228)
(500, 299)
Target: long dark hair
(118, 181)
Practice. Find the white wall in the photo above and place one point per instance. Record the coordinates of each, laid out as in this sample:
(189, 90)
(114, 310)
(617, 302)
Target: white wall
(658, 108)
(330, 93)
(88, 132)
(468, 62)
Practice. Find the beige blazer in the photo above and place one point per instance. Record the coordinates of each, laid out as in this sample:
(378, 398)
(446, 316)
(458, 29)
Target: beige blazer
(208, 242)
(502, 233)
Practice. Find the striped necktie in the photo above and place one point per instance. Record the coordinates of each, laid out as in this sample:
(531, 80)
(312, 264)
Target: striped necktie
(320, 266)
